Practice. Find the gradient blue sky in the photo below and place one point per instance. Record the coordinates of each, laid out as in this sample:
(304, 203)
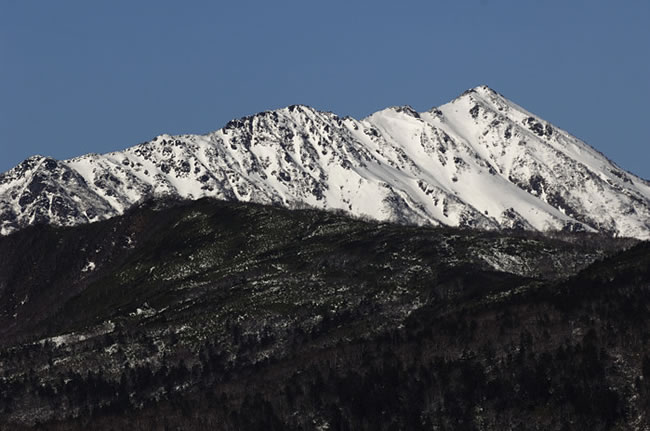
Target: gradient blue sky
(86, 76)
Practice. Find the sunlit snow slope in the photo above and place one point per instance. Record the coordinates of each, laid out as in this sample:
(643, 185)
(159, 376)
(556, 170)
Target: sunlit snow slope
(478, 161)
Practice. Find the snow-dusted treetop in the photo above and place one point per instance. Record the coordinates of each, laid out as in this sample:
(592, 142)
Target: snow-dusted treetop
(479, 161)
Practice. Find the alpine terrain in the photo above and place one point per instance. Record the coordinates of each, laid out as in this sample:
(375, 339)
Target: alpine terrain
(479, 161)
(495, 274)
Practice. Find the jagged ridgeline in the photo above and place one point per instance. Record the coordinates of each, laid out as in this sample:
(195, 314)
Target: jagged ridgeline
(211, 315)
(479, 161)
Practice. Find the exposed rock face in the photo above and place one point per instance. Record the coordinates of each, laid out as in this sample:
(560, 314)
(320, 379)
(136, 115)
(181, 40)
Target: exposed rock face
(479, 161)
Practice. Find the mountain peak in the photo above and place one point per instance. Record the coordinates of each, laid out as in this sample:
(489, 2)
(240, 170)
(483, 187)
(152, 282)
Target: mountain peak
(479, 161)
(484, 89)
(481, 90)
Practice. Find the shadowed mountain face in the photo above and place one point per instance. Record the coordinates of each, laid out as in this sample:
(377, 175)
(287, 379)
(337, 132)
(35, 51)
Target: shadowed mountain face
(225, 315)
(479, 161)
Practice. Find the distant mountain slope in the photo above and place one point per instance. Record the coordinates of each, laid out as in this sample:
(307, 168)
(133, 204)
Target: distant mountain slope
(478, 161)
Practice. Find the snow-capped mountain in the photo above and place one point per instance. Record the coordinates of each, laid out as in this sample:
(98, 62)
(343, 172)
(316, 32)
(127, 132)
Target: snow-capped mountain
(479, 161)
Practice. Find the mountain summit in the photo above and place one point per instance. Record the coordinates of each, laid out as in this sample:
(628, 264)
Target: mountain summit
(478, 161)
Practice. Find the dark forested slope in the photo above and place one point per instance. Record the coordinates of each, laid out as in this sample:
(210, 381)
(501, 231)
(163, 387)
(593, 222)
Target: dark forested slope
(213, 315)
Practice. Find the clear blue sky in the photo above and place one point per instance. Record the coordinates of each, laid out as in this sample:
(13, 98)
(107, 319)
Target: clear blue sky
(85, 76)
